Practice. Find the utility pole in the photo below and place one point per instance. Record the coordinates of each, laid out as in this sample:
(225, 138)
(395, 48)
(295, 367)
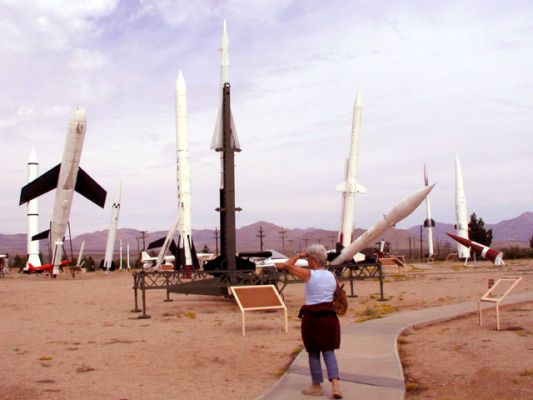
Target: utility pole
(421, 250)
(216, 241)
(291, 241)
(305, 240)
(282, 234)
(261, 236)
(144, 244)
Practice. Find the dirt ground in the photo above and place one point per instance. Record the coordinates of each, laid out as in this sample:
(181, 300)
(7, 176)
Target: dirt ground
(77, 338)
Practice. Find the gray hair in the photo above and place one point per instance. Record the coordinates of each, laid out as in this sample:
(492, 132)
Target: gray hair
(318, 252)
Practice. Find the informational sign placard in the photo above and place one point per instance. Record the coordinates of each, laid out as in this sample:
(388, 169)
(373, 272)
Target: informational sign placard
(257, 298)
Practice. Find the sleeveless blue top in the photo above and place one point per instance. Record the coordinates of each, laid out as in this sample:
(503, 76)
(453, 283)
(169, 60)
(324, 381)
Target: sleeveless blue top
(320, 287)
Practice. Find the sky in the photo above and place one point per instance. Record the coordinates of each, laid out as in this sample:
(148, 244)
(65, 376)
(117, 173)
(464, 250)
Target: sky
(436, 79)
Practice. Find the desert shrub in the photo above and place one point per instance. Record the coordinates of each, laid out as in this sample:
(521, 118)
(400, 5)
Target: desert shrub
(514, 252)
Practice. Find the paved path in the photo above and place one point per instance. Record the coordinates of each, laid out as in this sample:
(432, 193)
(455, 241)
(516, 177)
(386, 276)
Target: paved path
(368, 357)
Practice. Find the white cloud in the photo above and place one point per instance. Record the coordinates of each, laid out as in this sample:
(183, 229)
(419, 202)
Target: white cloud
(83, 59)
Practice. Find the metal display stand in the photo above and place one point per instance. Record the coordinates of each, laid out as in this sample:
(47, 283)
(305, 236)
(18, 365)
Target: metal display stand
(487, 298)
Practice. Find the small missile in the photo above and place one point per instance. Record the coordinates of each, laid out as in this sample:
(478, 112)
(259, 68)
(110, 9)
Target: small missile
(33, 215)
(460, 210)
(402, 210)
(428, 223)
(112, 233)
(486, 252)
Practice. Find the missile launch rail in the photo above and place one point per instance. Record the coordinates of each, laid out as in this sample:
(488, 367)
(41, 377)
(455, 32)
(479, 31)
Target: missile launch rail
(217, 282)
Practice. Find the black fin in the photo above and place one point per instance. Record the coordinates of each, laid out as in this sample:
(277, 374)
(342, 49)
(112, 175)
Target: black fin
(194, 256)
(88, 188)
(40, 185)
(156, 243)
(42, 235)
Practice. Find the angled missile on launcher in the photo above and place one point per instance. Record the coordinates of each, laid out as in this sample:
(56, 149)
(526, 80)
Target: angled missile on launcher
(486, 252)
(66, 178)
(402, 210)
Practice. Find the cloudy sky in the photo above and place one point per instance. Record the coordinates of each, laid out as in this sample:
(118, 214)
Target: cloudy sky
(437, 78)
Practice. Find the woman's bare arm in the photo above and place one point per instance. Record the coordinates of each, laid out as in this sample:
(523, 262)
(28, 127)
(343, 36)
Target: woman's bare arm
(290, 265)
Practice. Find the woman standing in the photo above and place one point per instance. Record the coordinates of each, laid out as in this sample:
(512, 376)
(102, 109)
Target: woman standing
(321, 332)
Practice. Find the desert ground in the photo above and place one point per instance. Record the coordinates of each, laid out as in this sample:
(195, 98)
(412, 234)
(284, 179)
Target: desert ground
(71, 338)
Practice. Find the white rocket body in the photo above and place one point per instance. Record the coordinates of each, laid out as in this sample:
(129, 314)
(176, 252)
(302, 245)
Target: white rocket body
(33, 214)
(216, 142)
(402, 210)
(350, 187)
(460, 210)
(112, 233)
(183, 169)
(66, 183)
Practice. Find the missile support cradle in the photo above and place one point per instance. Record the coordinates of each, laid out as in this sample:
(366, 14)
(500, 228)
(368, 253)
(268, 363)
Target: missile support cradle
(217, 282)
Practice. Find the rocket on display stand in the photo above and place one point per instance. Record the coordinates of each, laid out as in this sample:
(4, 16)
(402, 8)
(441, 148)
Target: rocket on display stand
(401, 211)
(486, 252)
(33, 215)
(108, 263)
(349, 188)
(461, 214)
(66, 178)
(429, 224)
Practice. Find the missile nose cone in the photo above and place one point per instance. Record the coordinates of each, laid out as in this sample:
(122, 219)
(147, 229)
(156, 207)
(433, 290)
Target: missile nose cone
(358, 102)
(79, 114)
(180, 83)
(33, 156)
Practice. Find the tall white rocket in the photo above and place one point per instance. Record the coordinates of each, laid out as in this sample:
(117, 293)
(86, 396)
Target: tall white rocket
(460, 210)
(33, 214)
(428, 223)
(112, 233)
(350, 187)
(183, 169)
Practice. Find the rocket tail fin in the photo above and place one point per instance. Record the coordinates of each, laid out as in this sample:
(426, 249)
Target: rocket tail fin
(194, 256)
(156, 243)
(174, 249)
(88, 188)
(216, 141)
(42, 235)
(40, 185)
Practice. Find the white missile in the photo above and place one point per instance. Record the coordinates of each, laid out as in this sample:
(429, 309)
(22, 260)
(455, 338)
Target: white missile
(183, 170)
(350, 187)
(216, 142)
(402, 210)
(66, 178)
(80, 254)
(428, 223)
(461, 213)
(112, 233)
(33, 215)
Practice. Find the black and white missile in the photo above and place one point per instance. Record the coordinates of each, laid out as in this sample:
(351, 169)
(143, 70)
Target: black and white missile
(66, 177)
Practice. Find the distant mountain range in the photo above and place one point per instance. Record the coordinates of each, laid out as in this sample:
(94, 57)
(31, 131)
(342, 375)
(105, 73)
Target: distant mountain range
(516, 231)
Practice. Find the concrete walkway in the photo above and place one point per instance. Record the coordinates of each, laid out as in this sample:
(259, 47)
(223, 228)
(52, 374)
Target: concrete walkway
(368, 358)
